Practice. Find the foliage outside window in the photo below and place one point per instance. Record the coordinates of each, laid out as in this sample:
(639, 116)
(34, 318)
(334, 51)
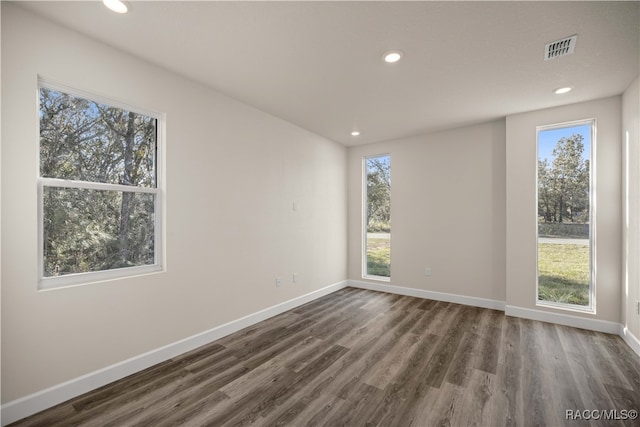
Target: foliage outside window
(377, 233)
(98, 189)
(565, 215)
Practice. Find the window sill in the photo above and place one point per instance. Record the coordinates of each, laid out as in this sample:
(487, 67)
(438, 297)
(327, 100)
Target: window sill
(81, 279)
(566, 307)
(378, 278)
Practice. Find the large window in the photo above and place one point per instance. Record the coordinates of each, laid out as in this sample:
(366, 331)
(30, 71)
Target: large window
(99, 197)
(377, 217)
(565, 215)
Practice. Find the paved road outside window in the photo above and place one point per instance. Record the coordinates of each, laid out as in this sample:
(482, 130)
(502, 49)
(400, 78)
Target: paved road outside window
(561, 241)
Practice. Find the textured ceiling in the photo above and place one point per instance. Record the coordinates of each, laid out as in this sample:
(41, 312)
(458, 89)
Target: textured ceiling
(318, 64)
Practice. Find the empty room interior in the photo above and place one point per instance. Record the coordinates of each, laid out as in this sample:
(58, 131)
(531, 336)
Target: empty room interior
(320, 213)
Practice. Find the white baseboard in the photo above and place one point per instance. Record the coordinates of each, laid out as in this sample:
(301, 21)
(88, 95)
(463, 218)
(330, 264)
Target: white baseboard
(421, 293)
(564, 319)
(631, 340)
(34, 403)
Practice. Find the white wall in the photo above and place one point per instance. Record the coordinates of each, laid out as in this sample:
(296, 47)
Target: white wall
(232, 175)
(521, 204)
(447, 209)
(631, 207)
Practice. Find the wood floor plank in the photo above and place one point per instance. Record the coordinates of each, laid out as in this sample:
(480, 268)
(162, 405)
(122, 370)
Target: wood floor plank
(509, 402)
(623, 357)
(462, 361)
(387, 368)
(351, 410)
(305, 404)
(447, 408)
(194, 414)
(380, 348)
(361, 333)
(405, 389)
(564, 394)
(610, 372)
(263, 374)
(443, 318)
(477, 399)
(358, 357)
(126, 403)
(536, 379)
(363, 356)
(487, 357)
(164, 372)
(287, 416)
(380, 303)
(280, 393)
(444, 354)
(250, 332)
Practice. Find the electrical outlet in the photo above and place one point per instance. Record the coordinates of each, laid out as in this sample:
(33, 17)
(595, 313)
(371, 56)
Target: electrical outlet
(427, 271)
(294, 278)
(278, 281)
(637, 307)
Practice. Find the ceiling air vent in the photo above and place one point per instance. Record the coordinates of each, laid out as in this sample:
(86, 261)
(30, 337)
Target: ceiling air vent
(560, 48)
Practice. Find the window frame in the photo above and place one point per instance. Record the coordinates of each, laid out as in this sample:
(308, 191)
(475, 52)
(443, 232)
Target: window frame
(365, 273)
(54, 282)
(591, 307)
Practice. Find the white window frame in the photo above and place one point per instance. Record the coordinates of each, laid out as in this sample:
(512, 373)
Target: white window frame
(591, 308)
(365, 273)
(53, 282)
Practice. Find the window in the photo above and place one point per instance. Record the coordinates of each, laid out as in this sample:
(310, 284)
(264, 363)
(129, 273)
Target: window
(377, 219)
(565, 216)
(99, 198)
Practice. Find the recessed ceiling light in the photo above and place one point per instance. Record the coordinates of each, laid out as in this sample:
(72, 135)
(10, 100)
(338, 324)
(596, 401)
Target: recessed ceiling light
(116, 6)
(562, 90)
(355, 133)
(392, 56)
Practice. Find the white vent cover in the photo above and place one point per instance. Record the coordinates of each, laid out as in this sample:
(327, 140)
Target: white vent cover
(560, 48)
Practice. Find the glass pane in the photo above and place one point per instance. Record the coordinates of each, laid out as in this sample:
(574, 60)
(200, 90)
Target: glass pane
(94, 230)
(564, 201)
(378, 216)
(87, 141)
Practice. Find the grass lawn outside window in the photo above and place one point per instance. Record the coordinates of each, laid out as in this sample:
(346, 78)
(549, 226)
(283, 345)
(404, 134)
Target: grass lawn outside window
(379, 257)
(563, 273)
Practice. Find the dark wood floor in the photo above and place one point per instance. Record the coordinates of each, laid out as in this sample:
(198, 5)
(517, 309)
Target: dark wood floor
(358, 357)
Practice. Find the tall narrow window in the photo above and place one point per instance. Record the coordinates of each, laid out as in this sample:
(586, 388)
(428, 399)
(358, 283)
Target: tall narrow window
(565, 215)
(98, 190)
(377, 220)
